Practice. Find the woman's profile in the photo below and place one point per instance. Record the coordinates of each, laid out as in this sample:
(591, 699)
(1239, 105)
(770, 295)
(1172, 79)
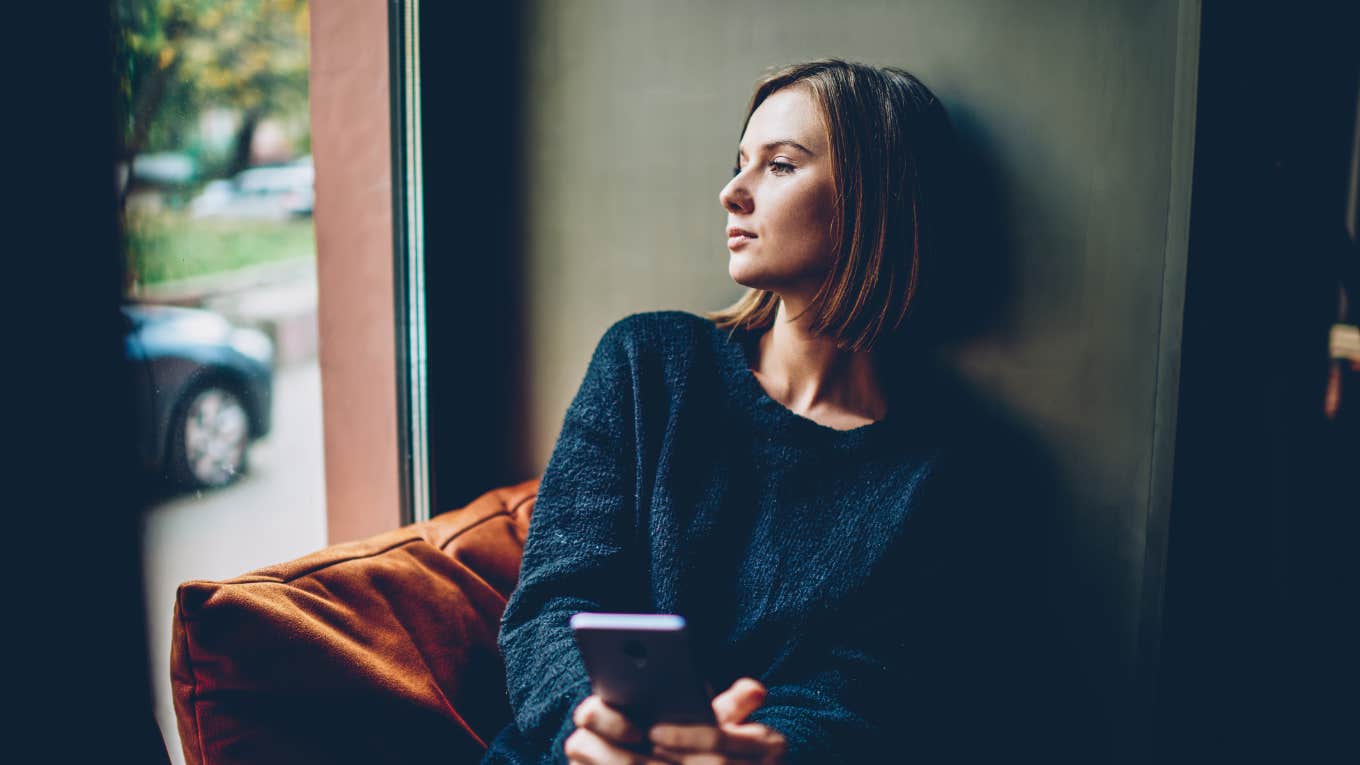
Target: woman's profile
(775, 471)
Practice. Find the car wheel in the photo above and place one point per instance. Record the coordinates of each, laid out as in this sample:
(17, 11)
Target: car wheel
(209, 438)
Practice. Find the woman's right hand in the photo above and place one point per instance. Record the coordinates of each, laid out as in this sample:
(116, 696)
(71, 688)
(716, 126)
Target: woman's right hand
(603, 736)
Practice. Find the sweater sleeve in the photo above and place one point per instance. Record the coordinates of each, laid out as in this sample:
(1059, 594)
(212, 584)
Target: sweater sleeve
(580, 548)
(845, 690)
(818, 713)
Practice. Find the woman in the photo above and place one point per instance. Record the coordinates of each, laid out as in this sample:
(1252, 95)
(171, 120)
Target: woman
(766, 471)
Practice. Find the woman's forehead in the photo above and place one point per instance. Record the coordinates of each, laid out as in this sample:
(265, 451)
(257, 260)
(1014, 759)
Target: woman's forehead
(788, 114)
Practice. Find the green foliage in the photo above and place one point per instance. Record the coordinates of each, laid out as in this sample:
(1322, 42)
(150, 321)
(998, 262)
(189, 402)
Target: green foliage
(169, 247)
(178, 57)
(174, 60)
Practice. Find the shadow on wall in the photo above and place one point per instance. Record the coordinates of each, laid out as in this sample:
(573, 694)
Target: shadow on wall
(971, 290)
(995, 636)
(1017, 663)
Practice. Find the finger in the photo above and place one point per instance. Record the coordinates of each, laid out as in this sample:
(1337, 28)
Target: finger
(677, 757)
(588, 748)
(748, 743)
(689, 740)
(755, 739)
(686, 738)
(737, 703)
(605, 720)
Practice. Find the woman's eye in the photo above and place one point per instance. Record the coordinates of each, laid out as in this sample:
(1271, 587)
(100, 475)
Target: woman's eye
(778, 168)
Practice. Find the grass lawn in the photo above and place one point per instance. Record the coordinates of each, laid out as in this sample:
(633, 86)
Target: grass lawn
(165, 247)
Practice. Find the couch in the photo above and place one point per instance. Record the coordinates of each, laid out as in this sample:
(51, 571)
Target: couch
(376, 651)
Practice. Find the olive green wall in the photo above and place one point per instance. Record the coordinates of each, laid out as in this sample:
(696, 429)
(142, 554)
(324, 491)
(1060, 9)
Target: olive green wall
(1086, 112)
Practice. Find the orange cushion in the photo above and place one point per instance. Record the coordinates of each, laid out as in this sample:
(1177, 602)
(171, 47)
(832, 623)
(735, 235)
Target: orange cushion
(382, 650)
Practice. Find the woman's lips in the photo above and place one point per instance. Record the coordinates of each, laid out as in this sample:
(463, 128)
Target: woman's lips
(738, 237)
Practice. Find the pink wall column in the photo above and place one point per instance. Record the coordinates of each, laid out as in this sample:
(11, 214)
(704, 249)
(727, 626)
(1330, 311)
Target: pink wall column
(351, 140)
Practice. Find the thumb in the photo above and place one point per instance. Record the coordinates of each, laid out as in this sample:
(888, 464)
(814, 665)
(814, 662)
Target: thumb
(735, 704)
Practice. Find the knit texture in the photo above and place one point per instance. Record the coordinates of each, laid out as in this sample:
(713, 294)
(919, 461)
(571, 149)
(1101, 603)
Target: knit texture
(834, 566)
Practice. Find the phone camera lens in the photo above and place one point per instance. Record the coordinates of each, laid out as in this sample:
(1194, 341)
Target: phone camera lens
(636, 651)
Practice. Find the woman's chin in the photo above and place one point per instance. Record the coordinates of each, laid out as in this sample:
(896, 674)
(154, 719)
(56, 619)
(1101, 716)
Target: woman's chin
(740, 269)
(758, 279)
(773, 275)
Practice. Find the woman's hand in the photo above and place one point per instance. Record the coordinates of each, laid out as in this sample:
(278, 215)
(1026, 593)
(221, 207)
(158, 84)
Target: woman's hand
(732, 740)
(603, 736)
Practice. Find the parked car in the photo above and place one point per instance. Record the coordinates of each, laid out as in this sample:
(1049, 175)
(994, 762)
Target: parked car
(203, 389)
(268, 192)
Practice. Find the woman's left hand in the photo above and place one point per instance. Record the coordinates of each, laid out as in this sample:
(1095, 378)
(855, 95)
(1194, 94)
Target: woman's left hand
(732, 740)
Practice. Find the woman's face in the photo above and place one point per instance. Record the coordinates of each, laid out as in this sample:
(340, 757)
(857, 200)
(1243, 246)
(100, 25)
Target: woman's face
(782, 198)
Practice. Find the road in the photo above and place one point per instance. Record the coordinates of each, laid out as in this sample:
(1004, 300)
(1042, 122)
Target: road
(276, 512)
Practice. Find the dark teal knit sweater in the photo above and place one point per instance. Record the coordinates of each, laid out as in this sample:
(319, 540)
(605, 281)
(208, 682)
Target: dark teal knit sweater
(843, 569)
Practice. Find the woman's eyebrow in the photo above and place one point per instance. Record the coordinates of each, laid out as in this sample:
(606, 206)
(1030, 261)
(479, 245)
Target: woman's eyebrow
(782, 142)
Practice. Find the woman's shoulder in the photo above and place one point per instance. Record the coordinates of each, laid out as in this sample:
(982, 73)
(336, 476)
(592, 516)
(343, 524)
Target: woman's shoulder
(677, 350)
(660, 323)
(660, 333)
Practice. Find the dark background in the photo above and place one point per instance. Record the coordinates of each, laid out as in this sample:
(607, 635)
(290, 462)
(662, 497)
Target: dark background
(76, 671)
(470, 102)
(1261, 566)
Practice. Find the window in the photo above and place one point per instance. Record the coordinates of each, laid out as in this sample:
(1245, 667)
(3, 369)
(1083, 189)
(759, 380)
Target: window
(217, 193)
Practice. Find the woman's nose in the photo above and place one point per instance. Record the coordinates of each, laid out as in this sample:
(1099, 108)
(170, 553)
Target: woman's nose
(734, 197)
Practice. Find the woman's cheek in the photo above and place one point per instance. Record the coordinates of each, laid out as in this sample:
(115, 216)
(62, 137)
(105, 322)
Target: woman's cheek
(814, 208)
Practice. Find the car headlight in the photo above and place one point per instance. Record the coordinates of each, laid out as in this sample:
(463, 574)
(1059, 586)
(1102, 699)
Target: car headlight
(253, 343)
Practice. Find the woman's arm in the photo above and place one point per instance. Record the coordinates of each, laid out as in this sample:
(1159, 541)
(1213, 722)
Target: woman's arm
(838, 706)
(581, 552)
(840, 711)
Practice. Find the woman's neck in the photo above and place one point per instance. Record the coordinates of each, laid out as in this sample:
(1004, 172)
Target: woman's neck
(812, 377)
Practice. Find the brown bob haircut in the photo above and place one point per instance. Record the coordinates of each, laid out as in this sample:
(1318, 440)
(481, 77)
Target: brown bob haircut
(889, 137)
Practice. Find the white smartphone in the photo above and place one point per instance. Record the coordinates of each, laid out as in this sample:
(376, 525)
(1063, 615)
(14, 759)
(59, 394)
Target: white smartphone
(641, 664)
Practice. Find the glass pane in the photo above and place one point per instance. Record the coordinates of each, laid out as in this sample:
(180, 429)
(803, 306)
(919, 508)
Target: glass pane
(216, 195)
